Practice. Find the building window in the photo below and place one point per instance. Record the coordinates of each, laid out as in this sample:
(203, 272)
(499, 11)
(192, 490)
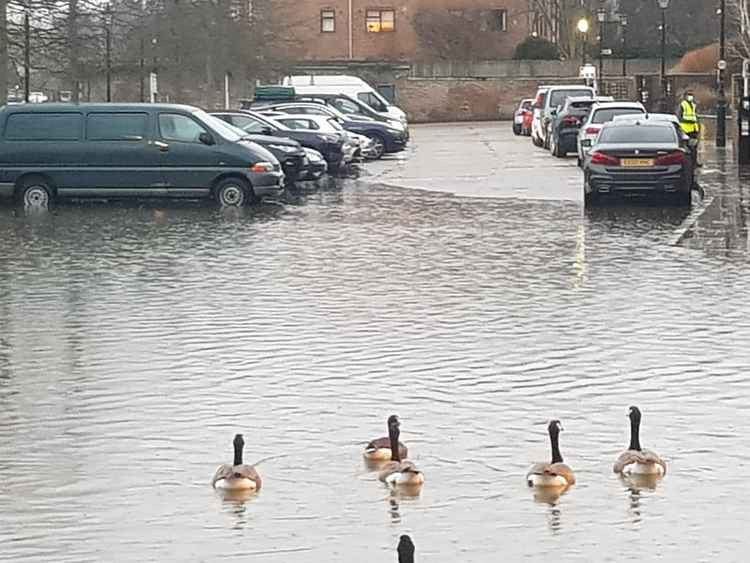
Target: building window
(327, 21)
(381, 20)
(494, 20)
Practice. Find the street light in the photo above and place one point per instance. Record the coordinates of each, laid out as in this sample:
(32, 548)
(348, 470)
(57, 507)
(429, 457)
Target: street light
(663, 4)
(583, 28)
(721, 102)
(601, 16)
(624, 24)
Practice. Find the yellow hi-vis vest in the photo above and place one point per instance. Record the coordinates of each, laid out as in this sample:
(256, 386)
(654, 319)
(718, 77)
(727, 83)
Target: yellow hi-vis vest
(689, 122)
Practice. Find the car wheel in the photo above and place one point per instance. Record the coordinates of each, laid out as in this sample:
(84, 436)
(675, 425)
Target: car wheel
(516, 129)
(536, 141)
(685, 199)
(232, 192)
(378, 145)
(35, 193)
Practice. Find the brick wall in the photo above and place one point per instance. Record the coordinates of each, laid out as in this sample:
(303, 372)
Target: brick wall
(302, 21)
(442, 100)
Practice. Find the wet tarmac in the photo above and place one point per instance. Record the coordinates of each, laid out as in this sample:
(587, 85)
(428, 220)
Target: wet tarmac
(460, 285)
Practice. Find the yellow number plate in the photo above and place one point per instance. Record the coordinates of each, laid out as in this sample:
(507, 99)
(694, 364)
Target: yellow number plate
(637, 162)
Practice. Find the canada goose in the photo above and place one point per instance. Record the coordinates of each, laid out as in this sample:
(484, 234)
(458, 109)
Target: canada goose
(397, 472)
(405, 550)
(237, 476)
(635, 460)
(380, 449)
(555, 473)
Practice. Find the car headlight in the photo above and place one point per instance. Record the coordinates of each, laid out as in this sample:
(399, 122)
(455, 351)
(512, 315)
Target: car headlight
(262, 167)
(396, 125)
(313, 156)
(283, 148)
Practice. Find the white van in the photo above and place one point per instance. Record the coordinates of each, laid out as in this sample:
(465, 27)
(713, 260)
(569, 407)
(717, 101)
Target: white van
(311, 84)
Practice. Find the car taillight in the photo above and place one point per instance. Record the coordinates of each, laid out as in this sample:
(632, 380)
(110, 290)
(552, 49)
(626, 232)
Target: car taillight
(605, 159)
(592, 130)
(262, 167)
(570, 120)
(670, 159)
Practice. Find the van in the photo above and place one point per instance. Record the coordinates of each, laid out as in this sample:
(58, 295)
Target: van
(50, 151)
(341, 84)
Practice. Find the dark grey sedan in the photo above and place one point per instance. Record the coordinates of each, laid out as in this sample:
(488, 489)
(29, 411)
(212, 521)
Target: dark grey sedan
(638, 159)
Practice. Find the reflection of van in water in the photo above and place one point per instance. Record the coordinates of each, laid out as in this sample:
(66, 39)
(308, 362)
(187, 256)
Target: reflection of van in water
(128, 150)
(309, 84)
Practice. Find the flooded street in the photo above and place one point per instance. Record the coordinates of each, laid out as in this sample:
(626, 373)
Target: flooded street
(462, 287)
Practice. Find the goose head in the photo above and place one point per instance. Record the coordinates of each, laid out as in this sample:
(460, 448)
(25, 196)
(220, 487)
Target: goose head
(405, 550)
(634, 413)
(239, 444)
(554, 428)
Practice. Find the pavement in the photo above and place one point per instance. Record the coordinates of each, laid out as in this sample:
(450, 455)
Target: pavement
(485, 160)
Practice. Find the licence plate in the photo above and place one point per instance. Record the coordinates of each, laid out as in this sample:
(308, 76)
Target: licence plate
(637, 162)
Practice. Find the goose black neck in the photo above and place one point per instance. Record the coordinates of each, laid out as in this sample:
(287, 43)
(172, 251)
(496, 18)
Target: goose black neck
(405, 550)
(554, 438)
(238, 452)
(393, 434)
(635, 427)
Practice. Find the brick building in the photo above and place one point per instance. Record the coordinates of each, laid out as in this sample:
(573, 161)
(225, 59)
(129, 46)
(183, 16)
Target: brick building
(406, 30)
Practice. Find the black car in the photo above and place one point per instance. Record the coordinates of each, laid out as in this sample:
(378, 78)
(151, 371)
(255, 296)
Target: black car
(330, 145)
(290, 154)
(566, 123)
(636, 159)
(386, 138)
(50, 151)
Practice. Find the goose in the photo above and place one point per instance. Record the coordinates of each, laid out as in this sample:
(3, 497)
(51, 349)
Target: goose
(238, 476)
(380, 449)
(405, 550)
(396, 471)
(555, 473)
(635, 460)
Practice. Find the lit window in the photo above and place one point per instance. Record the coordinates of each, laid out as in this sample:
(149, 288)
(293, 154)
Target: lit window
(327, 21)
(381, 20)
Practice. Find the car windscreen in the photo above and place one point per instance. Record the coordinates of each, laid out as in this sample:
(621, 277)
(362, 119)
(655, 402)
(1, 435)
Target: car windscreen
(637, 134)
(606, 115)
(226, 131)
(558, 96)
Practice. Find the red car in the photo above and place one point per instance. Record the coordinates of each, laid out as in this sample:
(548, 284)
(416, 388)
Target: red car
(522, 118)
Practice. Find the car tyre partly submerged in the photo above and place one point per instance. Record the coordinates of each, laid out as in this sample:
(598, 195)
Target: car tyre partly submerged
(35, 193)
(233, 192)
(378, 145)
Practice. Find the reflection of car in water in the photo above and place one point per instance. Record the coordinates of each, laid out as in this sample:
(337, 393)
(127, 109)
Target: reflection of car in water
(642, 158)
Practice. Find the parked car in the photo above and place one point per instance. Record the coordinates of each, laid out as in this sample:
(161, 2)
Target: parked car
(567, 122)
(50, 151)
(316, 166)
(322, 124)
(384, 138)
(288, 152)
(342, 102)
(598, 116)
(552, 103)
(524, 109)
(641, 158)
(342, 84)
(330, 145)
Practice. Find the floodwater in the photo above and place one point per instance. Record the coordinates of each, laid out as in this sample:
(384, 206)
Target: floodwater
(135, 341)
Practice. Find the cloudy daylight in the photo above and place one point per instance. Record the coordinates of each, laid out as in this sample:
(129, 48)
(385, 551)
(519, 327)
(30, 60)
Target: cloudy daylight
(293, 281)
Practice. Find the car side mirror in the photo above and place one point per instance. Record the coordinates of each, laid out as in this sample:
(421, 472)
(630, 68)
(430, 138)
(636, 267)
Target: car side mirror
(206, 139)
(266, 131)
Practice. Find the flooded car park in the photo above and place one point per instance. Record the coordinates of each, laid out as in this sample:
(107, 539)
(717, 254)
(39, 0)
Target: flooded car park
(460, 285)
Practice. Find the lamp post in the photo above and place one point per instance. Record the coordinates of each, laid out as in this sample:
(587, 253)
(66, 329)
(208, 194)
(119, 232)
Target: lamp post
(663, 4)
(721, 102)
(624, 24)
(601, 16)
(583, 29)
